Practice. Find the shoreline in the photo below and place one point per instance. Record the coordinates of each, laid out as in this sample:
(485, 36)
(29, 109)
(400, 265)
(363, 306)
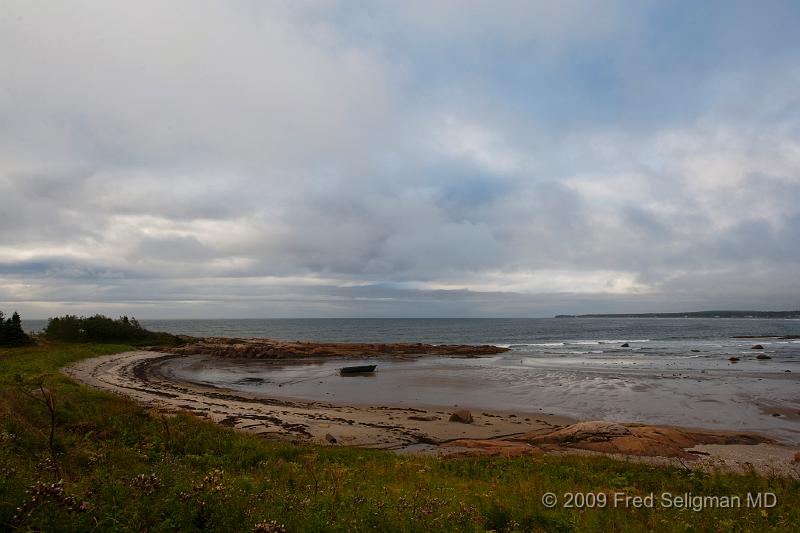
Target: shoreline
(697, 390)
(417, 429)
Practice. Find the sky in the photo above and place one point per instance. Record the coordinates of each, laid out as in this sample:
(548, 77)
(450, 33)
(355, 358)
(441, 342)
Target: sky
(242, 158)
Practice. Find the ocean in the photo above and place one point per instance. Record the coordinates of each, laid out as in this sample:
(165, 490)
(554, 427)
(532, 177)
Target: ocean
(531, 337)
(471, 330)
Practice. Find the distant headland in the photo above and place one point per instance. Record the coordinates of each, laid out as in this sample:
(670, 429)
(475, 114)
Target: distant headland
(695, 314)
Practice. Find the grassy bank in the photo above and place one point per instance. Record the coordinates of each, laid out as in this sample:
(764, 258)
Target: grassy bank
(114, 466)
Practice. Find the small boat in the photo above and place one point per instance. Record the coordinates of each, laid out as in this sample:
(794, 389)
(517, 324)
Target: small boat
(363, 369)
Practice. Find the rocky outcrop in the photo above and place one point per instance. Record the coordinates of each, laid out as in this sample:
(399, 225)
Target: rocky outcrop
(490, 447)
(633, 439)
(607, 437)
(272, 349)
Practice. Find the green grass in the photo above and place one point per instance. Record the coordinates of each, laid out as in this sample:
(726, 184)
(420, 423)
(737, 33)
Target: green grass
(126, 469)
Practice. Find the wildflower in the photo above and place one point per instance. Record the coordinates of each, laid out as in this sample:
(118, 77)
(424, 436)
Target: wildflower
(269, 526)
(146, 483)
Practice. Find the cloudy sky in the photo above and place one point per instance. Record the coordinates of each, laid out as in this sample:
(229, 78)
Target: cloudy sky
(453, 158)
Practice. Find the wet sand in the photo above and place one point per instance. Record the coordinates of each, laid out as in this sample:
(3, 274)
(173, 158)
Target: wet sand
(145, 377)
(710, 393)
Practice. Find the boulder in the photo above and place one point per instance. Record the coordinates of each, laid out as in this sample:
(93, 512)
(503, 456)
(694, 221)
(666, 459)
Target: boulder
(330, 438)
(733, 359)
(462, 415)
(625, 345)
(756, 347)
(763, 356)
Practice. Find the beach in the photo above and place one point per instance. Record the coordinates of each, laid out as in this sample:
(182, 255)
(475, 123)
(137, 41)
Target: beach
(139, 375)
(407, 405)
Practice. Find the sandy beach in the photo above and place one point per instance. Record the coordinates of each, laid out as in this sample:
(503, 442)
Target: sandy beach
(138, 376)
(146, 377)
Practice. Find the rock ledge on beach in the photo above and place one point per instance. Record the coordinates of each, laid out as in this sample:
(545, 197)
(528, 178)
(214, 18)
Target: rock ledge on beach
(608, 437)
(272, 349)
(633, 439)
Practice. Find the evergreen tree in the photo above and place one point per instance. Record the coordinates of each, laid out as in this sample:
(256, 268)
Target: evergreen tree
(11, 332)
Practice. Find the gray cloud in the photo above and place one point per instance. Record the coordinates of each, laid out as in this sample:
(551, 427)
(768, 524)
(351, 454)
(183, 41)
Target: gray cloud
(399, 159)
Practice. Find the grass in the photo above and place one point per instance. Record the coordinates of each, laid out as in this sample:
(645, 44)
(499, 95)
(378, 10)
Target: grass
(119, 467)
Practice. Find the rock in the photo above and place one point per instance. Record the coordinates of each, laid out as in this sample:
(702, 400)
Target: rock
(625, 345)
(492, 447)
(763, 356)
(423, 418)
(696, 351)
(593, 431)
(462, 415)
(733, 359)
(756, 347)
(632, 439)
(330, 438)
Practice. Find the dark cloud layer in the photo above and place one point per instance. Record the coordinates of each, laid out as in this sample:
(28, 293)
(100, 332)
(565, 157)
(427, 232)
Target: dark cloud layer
(398, 159)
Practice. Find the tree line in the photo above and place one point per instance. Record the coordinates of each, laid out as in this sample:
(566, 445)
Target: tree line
(100, 328)
(96, 328)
